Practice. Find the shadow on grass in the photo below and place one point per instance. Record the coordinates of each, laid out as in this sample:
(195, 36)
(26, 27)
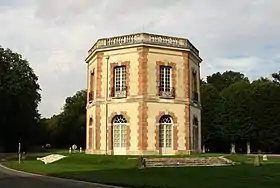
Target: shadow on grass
(198, 177)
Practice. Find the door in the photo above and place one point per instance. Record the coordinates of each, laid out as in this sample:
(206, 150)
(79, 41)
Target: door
(119, 135)
(195, 133)
(165, 135)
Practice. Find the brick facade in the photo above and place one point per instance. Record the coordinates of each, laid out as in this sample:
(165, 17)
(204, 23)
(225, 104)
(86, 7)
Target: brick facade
(142, 126)
(187, 96)
(142, 91)
(90, 134)
(143, 71)
(90, 138)
(99, 75)
(138, 130)
(97, 127)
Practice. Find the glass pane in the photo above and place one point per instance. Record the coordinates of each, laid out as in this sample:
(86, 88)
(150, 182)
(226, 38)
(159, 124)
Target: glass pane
(165, 78)
(168, 135)
(123, 135)
(116, 136)
(122, 77)
(161, 136)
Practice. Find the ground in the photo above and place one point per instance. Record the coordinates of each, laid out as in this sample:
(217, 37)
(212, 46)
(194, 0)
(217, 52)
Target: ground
(123, 171)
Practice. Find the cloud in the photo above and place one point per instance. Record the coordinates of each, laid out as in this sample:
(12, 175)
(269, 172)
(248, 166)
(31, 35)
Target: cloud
(54, 36)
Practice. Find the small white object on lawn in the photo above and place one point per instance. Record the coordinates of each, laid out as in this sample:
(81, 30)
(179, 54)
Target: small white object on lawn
(51, 158)
(74, 147)
(264, 157)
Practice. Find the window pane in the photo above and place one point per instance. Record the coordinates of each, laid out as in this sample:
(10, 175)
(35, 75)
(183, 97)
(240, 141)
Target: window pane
(168, 135)
(161, 135)
(116, 136)
(165, 78)
(120, 78)
(123, 77)
(123, 135)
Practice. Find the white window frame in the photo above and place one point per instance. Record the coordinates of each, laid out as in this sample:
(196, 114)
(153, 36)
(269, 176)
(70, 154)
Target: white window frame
(119, 131)
(120, 81)
(164, 80)
(120, 71)
(165, 132)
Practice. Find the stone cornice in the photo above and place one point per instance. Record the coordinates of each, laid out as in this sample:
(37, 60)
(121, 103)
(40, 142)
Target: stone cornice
(148, 100)
(143, 39)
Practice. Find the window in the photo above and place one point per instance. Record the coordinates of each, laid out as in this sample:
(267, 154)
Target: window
(119, 133)
(165, 132)
(195, 134)
(119, 89)
(194, 86)
(165, 82)
(91, 86)
(90, 123)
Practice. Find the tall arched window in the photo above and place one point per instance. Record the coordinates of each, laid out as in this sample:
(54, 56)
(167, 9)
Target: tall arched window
(90, 122)
(119, 133)
(165, 131)
(195, 134)
(195, 86)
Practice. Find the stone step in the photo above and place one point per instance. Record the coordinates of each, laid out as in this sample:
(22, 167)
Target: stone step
(199, 161)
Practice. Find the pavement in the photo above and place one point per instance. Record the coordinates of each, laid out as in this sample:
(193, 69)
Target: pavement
(13, 179)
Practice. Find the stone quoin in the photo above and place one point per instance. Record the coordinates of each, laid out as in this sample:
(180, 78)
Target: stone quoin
(143, 96)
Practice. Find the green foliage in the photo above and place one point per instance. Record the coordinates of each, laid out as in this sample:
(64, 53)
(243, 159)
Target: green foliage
(69, 127)
(209, 97)
(237, 111)
(221, 81)
(19, 98)
(276, 77)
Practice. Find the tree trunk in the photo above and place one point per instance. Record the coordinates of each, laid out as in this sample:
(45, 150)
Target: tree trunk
(248, 147)
(232, 151)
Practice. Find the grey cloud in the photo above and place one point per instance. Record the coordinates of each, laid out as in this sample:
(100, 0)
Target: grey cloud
(54, 36)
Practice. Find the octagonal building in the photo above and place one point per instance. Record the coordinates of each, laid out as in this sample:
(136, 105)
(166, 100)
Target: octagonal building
(143, 96)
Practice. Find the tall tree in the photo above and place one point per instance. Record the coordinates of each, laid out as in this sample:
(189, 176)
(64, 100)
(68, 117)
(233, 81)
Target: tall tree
(209, 97)
(235, 116)
(266, 114)
(19, 98)
(71, 128)
(222, 81)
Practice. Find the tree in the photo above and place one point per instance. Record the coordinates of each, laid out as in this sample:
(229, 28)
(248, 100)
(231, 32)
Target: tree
(69, 127)
(266, 114)
(222, 81)
(209, 97)
(276, 77)
(236, 112)
(19, 99)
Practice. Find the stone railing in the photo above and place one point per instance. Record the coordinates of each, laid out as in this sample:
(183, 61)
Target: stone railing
(144, 38)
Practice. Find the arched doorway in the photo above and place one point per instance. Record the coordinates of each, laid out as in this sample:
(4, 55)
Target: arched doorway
(119, 135)
(165, 135)
(195, 135)
(90, 134)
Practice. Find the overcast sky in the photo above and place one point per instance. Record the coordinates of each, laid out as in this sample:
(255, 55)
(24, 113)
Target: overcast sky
(241, 35)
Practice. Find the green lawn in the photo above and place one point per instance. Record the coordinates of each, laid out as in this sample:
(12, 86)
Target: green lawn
(120, 170)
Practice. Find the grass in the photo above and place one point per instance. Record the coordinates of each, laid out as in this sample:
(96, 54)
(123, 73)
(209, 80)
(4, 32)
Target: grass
(123, 171)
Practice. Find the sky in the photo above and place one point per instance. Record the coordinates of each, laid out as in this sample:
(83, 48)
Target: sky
(240, 35)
